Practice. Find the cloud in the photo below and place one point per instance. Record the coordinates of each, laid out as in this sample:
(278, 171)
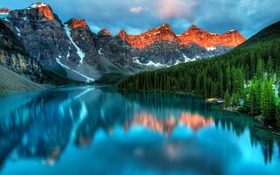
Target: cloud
(136, 9)
(217, 16)
(177, 9)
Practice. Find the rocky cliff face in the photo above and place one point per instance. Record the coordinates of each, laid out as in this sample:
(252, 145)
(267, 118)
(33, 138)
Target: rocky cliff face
(103, 52)
(50, 42)
(113, 48)
(69, 50)
(15, 57)
(43, 35)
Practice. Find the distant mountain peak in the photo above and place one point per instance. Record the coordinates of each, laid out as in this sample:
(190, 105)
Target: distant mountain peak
(44, 9)
(195, 29)
(38, 5)
(4, 10)
(77, 23)
(205, 39)
(122, 31)
(162, 33)
(165, 26)
(193, 26)
(123, 35)
(105, 32)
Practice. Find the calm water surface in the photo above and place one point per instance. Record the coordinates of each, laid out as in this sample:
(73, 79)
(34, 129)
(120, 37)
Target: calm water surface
(96, 130)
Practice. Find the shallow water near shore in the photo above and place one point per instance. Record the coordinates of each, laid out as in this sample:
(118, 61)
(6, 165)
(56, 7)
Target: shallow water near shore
(97, 130)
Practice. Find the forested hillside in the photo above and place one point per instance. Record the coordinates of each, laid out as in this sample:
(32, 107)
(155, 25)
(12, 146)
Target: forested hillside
(256, 60)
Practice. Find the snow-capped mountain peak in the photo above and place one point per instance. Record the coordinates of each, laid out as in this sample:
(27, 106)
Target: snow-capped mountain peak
(4, 11)
(38, 5)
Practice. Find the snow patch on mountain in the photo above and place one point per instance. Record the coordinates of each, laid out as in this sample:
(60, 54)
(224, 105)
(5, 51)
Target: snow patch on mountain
(79, 51)
(100, 51)
(177, 62)
(187, 59)
(68, 55)
(18, 31)
(88, 79)
(211, 48)
(150, 63)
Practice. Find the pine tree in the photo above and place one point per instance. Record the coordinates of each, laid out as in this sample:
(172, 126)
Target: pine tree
(278, 115)
(260, 69)
(228, 79)
(235, 100)
(254, 98)
(220, 86)
(268, 105)
(227, 99)
(269, 66)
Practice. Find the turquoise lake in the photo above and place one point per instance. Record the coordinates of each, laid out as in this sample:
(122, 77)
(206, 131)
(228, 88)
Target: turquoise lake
(99, 131)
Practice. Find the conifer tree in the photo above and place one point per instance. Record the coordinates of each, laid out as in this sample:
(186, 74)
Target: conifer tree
(227, 99)
(268, 107)
(260, 69)
(254, 98)
(228, 79)
(235, 100)
(269, 66)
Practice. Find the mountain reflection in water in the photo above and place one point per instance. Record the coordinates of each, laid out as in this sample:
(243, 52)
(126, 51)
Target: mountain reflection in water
(146, 132)
(166, 126)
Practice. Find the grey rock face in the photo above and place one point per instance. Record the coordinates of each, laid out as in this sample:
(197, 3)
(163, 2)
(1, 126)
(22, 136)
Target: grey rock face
(170, 53)
(85, 39)
(114, 49)
(45, 39)
(105, 53)
(15, 57)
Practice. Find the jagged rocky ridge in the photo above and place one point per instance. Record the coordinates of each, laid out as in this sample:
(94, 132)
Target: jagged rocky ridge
(162, 46)
(71, 50)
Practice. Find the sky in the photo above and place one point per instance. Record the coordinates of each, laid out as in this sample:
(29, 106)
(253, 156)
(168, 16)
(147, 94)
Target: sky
(136, 16)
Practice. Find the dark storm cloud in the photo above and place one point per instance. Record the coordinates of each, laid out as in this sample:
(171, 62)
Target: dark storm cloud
(135, 16)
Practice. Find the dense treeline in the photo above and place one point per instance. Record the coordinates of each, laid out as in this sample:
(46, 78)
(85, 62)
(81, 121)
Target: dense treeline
(210, 78)
(225, 76)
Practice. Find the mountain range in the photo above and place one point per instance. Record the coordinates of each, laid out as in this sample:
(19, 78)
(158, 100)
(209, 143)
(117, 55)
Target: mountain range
(216, 76)
(41, 47)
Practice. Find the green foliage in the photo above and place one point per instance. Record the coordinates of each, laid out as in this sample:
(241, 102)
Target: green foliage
(268, 104)
(254, 100)
(260, 68)
(278, 116)
(269, 66)
(235, 101)
(227, 99)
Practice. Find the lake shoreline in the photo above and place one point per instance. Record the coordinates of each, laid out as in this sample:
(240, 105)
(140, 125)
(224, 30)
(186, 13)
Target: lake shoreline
(255, 118)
